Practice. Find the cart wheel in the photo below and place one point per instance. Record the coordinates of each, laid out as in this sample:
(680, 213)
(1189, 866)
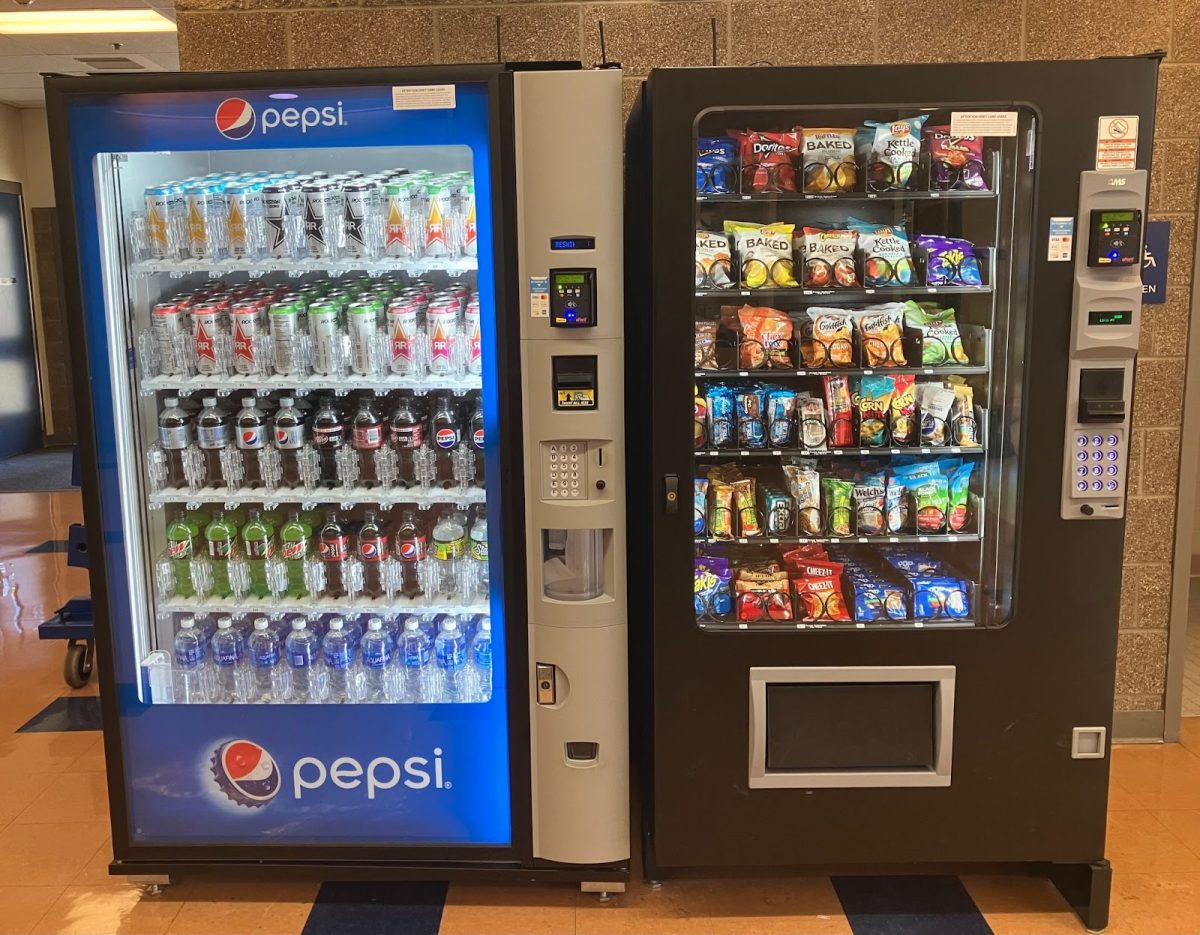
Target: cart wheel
(77, 667)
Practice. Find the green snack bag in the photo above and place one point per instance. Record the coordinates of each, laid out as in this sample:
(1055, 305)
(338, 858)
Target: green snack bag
(959, 497)
(837, 495)
(931, 502)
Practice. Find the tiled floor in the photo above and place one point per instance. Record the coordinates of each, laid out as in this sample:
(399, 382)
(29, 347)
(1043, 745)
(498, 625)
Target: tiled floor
(54, 838)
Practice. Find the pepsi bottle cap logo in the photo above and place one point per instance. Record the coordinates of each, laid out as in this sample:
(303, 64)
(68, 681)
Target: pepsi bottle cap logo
(246, 773)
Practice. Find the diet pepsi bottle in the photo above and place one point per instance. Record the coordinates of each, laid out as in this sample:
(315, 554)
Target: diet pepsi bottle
(214, 430)
(289, 439)
(251, 439)
(174, 434)
(263, 647)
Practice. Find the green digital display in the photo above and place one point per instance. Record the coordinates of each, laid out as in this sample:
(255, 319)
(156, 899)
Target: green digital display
(1111, 318)
(570, 279)
(1116, 217)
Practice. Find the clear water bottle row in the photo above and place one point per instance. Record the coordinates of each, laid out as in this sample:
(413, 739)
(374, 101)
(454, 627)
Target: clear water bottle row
(409, 441)
(440, 659)
(296, 555)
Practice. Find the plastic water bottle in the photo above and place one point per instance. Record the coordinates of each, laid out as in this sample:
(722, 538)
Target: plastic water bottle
(375, 653)
(477, 554)
(337, 649)
(228, 651)
(304, 657)
(414, 650)
(449, 543)
(450, 648)
(481, 661)
(264, 663)
(191, 662)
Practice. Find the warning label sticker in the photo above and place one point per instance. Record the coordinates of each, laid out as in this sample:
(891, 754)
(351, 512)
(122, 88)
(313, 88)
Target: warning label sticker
(1116, 143)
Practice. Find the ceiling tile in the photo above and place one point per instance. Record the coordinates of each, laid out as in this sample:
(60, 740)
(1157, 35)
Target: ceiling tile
(93, 44)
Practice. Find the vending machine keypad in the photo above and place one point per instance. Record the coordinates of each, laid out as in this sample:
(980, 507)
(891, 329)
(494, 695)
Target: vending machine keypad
(565, 470)
(1099, 462)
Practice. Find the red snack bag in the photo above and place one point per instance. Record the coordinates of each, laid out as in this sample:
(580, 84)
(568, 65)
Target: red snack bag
(801, 553)
(840, 410)
(768, 160)
(821, 598)
(817, 568)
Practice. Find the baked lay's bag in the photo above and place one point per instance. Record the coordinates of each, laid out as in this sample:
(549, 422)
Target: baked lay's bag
(764, 254)
(827, 258)
(828, 157)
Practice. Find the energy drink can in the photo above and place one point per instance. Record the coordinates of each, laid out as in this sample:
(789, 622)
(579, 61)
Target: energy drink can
(471, 326)
(439, 240)
(206, 326)
(325, 336)
(246, 324)
(362, 210)
(323, 206)
(158, 220)
(403, 322)
(400, 218)
(204, 211)
(441, 322)
(243, 219)
(466, 224)
(167, 321)
(275, 220)
(285, 326)
(362, 322)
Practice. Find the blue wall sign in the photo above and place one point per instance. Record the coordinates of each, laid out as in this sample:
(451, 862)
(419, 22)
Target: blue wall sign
(1154, 262)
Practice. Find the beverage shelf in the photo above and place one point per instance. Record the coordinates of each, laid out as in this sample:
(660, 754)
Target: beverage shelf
(964, 369)
(300, 386)
(783, 626)
(838, 295)
(382, 496)
(321, 605)
(856, 540)
(215, 269)
(836, 452)
(783, 197)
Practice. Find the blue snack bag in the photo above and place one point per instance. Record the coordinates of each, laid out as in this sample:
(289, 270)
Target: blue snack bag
(752, 416)
(722, 416)
(716, 165)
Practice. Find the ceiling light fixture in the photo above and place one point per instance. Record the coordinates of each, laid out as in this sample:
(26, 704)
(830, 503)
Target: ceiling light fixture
(62, 22)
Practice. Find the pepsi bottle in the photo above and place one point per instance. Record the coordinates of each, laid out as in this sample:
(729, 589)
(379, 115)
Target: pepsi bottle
(446, 428)
(410, 550)
(372, 550)
(251, 439)
(406, 434)
(476, 429)
(334, 551)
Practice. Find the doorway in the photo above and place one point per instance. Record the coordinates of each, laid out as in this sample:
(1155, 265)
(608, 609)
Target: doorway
(20, 407)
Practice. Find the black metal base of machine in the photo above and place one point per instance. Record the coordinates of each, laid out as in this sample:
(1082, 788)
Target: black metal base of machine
(1087, 887)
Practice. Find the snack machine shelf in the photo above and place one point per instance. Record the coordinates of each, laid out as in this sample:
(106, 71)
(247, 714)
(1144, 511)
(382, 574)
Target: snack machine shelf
(384, 497)
(778, 626)
(837, 452)
(835, 540)
(904, 195)
(217, 268)
(300, 386)
(768, 374)
(829, 295)
(320, 605)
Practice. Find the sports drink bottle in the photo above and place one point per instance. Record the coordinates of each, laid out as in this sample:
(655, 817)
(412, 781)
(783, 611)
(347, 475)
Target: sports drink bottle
(337, 651)
(263, 647)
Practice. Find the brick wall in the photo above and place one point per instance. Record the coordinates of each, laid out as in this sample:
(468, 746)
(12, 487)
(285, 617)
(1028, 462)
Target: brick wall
(265, 34)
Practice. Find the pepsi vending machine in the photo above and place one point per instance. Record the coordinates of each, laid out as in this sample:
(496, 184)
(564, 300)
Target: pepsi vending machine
(352, 431)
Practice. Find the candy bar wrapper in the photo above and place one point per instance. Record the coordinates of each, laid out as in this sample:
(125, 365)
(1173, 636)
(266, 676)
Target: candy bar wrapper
(812, 424)
(841, 411)
(781, 418)
(804, 484)
(700, 506)
(712, 579)
(747, 507)
(720, 511)
(779, 511)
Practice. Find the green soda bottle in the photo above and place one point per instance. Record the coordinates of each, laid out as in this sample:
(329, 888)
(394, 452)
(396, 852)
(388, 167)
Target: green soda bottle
(295, 537)
(258, 544)
(181, 549)
(221, 535)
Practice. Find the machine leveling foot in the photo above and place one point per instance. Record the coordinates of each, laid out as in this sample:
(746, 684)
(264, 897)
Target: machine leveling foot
(1087, 887)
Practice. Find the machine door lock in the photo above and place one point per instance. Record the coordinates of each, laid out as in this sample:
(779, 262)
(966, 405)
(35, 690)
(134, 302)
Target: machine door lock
(671, 493)
(1101, 395)
(546, 690)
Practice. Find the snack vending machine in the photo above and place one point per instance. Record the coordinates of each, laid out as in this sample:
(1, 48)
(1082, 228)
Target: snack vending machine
(355, 590)
(885, 630)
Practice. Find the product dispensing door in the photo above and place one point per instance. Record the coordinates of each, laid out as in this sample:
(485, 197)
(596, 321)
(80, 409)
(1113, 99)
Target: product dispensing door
(1105, 317)
(572, 348)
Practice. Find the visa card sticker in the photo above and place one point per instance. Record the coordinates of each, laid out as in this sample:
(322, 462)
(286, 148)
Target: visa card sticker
(1061, 241)
(539, 296)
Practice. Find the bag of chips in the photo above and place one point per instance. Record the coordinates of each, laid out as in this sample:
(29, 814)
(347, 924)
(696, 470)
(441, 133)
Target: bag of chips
(869, 506)
(931, 503)
(714, 262)
(827, 258)
(766, 338)
(934, 401)
(890, 151)
(781, 418)
(764, 254)
(903, 421)
(959, 494)
(828, 155)
(722, 417)
(964, 430)
(955, 162)
(716, 165)
(751, 416)
(887, 255)
(937, 332)
(720, 510)
(837, 495)
(821, 599)
(706, 345)
(712, 578)
(949, 261)
(802, 552)
(841, 411)
(746, 505)
(827, 338)
(768, 159)
(880, 335)
(804, 484)
(875, 393)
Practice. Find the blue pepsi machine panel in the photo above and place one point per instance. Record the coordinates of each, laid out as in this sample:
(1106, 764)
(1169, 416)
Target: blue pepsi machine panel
(418, 767)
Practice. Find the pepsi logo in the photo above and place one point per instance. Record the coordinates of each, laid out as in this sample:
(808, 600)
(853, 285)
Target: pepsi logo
(251, 438)
(371, 550)
(235, 118)
(246, 773)
(411, 550)
(445, 438)
(477, 438)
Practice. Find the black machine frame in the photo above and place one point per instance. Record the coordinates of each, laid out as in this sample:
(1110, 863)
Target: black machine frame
(359, 862)
(1016, 794)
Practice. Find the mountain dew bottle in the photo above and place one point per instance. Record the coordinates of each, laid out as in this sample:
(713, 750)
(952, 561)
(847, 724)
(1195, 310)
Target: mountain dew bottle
(181, 549)
(295, 537)
(221, 535)
(258, 543)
